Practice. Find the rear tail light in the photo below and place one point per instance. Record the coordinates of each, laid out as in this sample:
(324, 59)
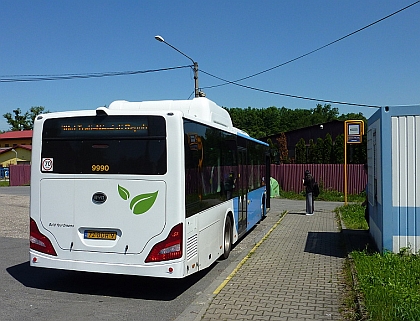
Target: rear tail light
(38, 241)
(168, 249)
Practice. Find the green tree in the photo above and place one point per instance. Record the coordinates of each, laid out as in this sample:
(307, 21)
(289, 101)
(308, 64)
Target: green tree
(322, 114)
(283, 151)
(361, 151)
(274, 152)
(249, 120)
(19, 121)
(319, 151)
(300, 152)
(35, 111)
(338, 150)
(352, 116)
(311, 152)
(271, 120)
(328, 147)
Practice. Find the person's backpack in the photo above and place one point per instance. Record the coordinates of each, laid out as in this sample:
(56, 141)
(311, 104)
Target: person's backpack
(315, 189)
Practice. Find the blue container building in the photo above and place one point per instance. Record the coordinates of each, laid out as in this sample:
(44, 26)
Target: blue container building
(393, 151)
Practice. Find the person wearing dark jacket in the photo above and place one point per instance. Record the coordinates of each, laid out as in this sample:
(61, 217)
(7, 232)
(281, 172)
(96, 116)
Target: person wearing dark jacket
(308, 182)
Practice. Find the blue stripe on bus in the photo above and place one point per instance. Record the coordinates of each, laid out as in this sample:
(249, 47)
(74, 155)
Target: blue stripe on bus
(254, 211)
(251, 139)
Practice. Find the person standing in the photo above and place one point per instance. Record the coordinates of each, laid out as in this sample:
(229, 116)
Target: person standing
(308, 182)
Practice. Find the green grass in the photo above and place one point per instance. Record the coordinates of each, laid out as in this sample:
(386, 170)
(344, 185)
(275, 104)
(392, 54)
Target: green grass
(4, 183)
(292, 195)
(353, 216)
(390, 284)
(325, 195)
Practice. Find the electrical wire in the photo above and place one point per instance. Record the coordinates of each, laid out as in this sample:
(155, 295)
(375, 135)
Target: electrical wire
(29, 78)
(291, 96)
(318, 49)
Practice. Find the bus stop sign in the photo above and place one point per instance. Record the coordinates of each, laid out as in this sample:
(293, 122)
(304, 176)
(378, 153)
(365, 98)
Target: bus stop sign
(354, 130)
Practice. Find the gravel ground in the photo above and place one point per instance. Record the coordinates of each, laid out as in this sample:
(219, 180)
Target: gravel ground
(14, 216)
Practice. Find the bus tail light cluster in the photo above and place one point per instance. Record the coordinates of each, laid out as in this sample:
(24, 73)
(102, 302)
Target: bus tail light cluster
(168, 249)
(38, 241)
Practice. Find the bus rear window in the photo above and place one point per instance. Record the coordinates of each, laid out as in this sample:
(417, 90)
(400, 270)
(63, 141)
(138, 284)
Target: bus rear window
(105, 145)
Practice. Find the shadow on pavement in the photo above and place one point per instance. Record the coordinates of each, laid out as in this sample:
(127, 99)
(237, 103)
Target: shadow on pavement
(331, 243)
(358, 240)
(325, 243)
(126, 286)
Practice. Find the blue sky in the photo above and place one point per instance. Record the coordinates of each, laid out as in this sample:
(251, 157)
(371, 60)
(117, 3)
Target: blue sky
(229, 39)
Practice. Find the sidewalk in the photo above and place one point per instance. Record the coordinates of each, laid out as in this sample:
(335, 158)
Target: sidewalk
(294, 274)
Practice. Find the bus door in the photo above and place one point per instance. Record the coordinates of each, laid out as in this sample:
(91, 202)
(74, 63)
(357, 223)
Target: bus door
(242, 189)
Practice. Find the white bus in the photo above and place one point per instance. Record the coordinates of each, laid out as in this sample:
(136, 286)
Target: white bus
(161, 188)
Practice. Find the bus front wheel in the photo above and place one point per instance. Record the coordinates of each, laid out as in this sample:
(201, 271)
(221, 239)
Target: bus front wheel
(227, 238)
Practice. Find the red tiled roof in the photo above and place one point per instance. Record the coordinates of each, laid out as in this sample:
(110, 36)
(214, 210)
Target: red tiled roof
(4, 150)
(16, 134)
(28, 147)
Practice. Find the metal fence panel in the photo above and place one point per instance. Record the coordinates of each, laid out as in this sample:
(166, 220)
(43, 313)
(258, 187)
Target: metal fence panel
(329, 176)
(20, 175)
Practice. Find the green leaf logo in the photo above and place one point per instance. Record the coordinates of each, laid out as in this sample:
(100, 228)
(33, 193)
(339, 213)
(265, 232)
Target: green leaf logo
(124, 193)
(143, 202)
(140, 204)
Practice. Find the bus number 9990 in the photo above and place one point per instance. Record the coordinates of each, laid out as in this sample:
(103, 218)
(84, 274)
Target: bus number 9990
(100, 168)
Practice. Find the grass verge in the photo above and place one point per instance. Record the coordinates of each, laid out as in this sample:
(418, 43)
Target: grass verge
(325, 195)
(379, 286)
(4, 183)
(353, 216)
(390, 284)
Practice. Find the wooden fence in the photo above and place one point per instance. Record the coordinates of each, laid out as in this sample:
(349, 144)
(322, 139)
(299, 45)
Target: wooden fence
(329, 176)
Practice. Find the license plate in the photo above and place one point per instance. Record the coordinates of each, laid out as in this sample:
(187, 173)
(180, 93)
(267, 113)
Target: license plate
(101, 235)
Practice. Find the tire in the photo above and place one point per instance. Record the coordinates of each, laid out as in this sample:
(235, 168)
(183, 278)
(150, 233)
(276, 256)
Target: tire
(227, 238)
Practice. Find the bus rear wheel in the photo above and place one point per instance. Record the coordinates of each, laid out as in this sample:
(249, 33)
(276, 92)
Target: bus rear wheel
(227, 238)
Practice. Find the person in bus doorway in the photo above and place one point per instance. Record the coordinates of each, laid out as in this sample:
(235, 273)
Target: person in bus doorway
(229, 185)
(308, 182)
(366, 202)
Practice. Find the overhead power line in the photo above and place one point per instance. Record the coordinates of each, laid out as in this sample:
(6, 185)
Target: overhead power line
(28, 78)
(318, 49)
(291, 96)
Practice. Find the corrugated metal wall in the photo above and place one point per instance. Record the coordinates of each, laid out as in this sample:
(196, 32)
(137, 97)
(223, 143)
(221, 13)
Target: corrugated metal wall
(405, 182)
(289, 176)
(329, 176)
(20, 175)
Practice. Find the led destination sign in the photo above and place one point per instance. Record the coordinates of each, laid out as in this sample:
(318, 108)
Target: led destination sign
(110, 126)
(113, 144)
(104, 127)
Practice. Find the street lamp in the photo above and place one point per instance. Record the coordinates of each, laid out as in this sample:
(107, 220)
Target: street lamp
(196, 92)
(13, 150)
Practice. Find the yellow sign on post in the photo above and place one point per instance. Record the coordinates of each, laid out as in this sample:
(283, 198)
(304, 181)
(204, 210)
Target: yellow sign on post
(353, 133)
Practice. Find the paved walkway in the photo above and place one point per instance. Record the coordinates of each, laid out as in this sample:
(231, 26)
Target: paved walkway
(294, 274)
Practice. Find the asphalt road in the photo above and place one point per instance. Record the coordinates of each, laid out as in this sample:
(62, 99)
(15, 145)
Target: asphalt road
(45, 294)
(15, 190)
